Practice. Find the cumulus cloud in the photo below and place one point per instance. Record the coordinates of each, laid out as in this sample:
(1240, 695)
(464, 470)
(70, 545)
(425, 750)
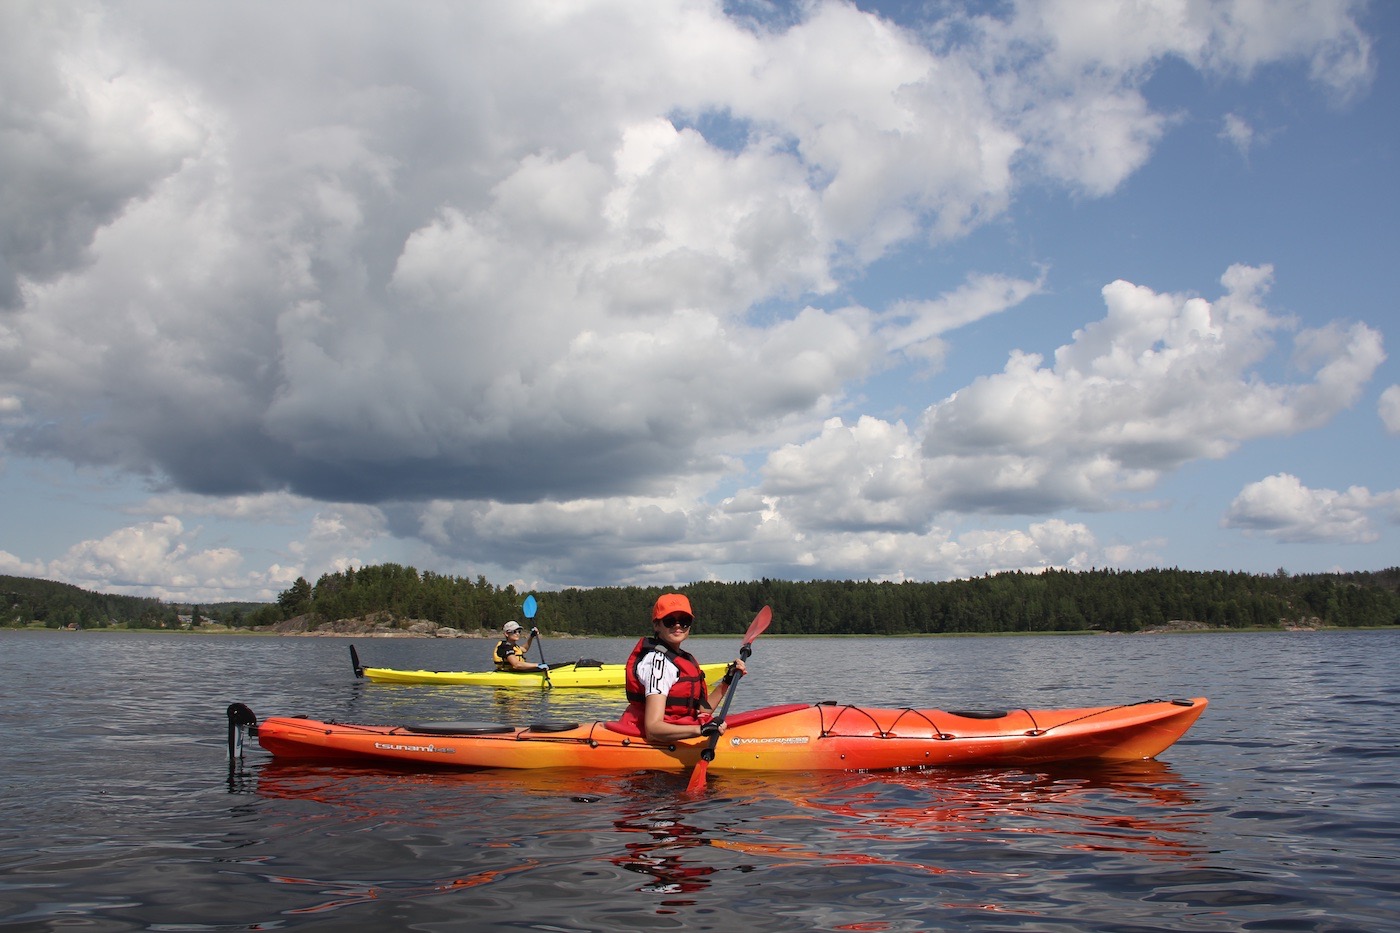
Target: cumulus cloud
(1389, 409)
(869, 476)
(349, 310)
(147, 559)
(89, 130)
(1085, 119)
(485, 276)
(1230, 37)
(297, 344)
(1281, 507)
(162, 556)
(1160, 381)
(751, 533)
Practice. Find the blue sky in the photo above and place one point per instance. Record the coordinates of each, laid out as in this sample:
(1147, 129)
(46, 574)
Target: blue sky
(613, 293)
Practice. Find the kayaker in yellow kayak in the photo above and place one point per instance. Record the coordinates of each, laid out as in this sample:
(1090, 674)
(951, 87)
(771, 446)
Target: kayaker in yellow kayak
(510, 654)
(666, 691)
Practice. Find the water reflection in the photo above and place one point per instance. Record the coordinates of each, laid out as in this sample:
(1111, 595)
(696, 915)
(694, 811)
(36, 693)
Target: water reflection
(911, 823)
(658, 842)
(1130, 808)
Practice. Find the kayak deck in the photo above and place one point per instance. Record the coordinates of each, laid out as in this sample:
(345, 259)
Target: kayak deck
(794, 737)
(565, 675)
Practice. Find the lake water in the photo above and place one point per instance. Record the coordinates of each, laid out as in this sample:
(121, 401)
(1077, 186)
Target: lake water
(1280, 810)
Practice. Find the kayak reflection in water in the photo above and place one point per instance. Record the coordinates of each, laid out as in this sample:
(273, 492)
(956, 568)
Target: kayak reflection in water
(667, 697)
(662, 855)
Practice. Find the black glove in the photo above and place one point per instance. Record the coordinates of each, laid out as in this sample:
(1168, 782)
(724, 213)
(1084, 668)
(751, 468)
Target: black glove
(534, 633)
(729, 673)
(710, 729)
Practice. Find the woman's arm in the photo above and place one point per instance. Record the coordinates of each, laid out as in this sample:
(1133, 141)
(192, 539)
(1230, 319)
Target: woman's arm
(659, 730)
(518, 662)
(718, 690)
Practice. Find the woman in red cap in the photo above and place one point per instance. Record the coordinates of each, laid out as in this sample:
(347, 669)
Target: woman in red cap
(667, 696)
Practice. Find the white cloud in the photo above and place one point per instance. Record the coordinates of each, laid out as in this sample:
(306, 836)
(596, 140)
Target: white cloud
(916, 327)
(1389, 409)
(1245, 36)
(472, 271)
(1084, 119)
(1086, 37)
(1158, 382)
(90, 129)
(297, 290)
(147, 559)
(1237, 131)
(167, 558)
(677, 538)
(1281, 507)
(868, 476)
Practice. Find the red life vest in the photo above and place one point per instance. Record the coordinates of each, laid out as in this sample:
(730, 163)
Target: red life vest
(687, 695)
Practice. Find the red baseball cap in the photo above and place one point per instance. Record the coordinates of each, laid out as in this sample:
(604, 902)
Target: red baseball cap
(669, 603)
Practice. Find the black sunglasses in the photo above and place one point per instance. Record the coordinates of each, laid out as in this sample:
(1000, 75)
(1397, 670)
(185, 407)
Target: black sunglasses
(676, 621)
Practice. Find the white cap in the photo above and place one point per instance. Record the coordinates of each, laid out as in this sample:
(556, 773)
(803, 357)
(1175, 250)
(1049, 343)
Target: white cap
(510, 627)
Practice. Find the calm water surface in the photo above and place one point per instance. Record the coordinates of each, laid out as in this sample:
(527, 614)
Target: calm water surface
(121, 811)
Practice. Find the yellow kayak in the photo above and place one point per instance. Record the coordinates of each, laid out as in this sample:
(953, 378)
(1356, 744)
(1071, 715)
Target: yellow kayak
(582, 674)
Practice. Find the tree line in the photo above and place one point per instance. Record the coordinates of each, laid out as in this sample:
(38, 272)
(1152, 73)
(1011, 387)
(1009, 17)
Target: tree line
(26, 601)
(1049, 601)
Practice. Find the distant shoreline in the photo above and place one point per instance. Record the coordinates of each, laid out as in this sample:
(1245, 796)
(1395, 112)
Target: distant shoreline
(1181, 629)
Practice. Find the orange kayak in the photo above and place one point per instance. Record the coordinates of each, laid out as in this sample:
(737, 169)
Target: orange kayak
(795, 737)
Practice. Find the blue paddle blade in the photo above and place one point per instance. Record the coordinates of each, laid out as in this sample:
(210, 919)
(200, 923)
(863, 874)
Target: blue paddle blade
(529, 606)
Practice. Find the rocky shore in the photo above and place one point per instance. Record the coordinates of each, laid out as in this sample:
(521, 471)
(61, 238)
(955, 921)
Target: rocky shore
(383, 625)
(377, 625)
(1186, 625)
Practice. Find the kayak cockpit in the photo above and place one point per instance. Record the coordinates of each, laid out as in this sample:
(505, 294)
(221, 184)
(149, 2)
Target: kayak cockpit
(628, 725)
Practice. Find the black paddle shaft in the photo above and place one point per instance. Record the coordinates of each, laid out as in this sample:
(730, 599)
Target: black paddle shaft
(708, 753)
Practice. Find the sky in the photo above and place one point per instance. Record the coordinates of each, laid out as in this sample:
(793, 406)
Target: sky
(610, 293)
